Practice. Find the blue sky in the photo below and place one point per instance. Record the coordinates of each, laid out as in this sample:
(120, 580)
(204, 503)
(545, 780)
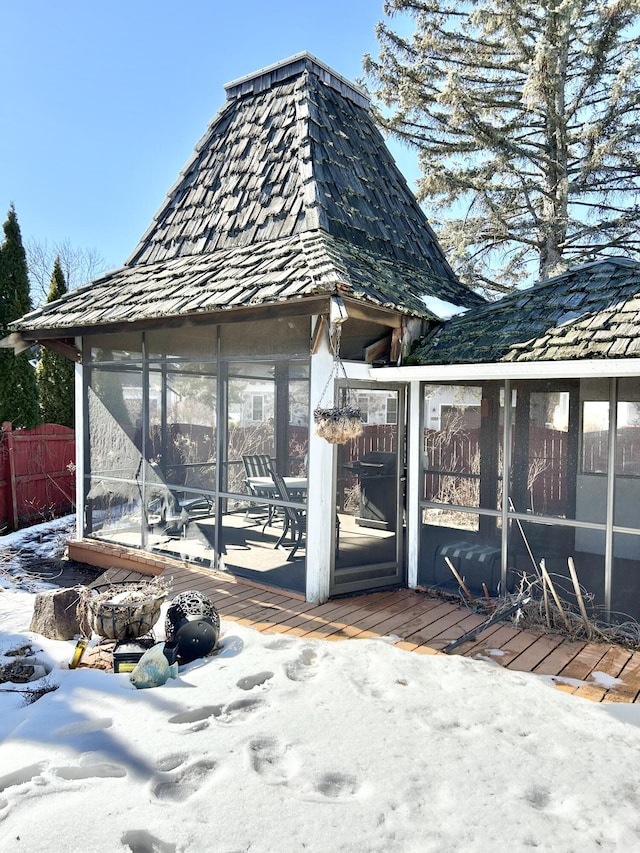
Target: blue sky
(103, 102)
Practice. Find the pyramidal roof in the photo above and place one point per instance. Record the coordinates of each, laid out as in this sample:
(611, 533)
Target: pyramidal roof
(293, 150)
(290, 192)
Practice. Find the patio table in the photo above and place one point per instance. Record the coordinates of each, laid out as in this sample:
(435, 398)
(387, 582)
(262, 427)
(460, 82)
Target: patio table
(296, 486)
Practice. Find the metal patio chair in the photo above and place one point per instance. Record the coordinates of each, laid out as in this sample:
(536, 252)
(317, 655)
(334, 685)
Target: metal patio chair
(295, 520)
(258, 465)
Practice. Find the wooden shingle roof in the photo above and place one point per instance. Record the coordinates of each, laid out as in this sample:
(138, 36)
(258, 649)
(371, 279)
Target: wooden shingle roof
(290, 192)
(295, 267)
(590, 312)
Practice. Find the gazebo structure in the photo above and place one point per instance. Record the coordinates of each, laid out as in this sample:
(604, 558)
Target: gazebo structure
(291, 268)
(289, 239)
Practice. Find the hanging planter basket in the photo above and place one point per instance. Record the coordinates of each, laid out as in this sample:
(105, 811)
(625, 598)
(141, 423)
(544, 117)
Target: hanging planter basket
(338, 425)
(122, 611)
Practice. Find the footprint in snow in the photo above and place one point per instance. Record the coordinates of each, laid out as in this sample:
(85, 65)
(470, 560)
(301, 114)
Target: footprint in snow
(141, 841)
(251, 681)
(83, 728)
(180, 786)
(239, 709)
(272, 759)
(229, 713)
(538, 797)
(22, 776)
(170, 762)
(304, 667)
(91, 771)
(281, 643)
(337, 786)
(199, 716)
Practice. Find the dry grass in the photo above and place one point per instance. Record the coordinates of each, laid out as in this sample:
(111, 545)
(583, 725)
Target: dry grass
(540, 611)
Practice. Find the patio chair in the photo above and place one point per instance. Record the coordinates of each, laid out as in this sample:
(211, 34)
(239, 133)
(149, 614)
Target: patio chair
(295, 520)
(172, 515)
(259, 465)
(164, 514)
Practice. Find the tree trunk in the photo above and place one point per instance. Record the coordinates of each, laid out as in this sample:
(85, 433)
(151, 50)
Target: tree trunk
(556, 205)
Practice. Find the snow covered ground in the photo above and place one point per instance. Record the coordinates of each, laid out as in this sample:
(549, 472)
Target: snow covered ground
(281, 744)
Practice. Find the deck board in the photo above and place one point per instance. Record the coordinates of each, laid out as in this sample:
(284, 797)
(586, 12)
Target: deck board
(559, 658)
(486, 642)
(446, 624)
(512, 649)
(536, 653)
(468, 622)
(418, 623)
(610, 665)
(585, 663)
(412, 620)
(628, 689)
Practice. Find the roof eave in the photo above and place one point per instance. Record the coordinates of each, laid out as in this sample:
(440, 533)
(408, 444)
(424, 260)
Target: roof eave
(304, 305)
(560, 369)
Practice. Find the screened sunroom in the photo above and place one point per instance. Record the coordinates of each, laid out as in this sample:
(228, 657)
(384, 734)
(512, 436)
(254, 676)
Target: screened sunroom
(571, 453)
(526, 436)
(200, 447)
(185, 432)
(175, 424)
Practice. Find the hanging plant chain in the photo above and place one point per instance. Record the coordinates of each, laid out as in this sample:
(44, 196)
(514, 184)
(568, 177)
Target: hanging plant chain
(338, 424)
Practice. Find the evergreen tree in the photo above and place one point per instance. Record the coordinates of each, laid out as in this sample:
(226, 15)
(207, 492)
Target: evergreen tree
(18, 389)
(55, 373)
(525, 116)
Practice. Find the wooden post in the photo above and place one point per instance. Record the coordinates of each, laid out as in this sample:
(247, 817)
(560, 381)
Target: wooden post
(460, 580)
(487, 597)
(7, 429)
(548, 581)
(545, 596)
(576, 586)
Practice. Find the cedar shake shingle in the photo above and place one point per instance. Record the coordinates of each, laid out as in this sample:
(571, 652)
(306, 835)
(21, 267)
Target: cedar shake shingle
(290, 192)
(588, 312)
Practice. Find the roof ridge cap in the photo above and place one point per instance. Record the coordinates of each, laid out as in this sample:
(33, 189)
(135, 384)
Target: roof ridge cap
(264, 78)
(618, 260)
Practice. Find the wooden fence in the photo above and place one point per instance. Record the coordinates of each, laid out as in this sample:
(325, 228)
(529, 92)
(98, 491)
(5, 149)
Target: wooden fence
(452, 461)
(37, 474)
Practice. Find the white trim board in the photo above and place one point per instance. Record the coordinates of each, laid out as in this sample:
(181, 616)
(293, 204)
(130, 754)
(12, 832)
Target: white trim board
(579, 369)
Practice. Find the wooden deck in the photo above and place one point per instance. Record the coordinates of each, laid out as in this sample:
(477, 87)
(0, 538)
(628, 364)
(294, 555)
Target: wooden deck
(422, 624)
